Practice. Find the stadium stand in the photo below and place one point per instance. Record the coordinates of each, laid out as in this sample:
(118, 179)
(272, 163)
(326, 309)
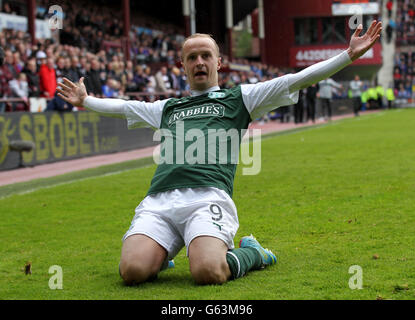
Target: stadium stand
(90, 46)
(404, 60)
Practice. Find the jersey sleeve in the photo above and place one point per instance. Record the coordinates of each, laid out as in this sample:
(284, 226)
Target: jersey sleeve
(137, 113)
(141, 114)
(266, 96)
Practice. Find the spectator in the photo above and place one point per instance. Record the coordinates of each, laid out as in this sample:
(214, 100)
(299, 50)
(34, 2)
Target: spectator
(24, 50)
(94, 84)
(364, 98)
(381, 93)
(17, 62)
(175, 75)
(299, 108)
(7, 8)
(110, 88)
(121, 74)
(61, 71)
(129, 67)
(20, 89)
(164, 81)
(158, 42)
(311, 96)
(284, 114)
(356, 87)
(9, 67)
(142, 55)
(110, 70)
(235, 78)
(131, 85)
(41, 58)
(50, 54)
(32, 78)
(140, 79)
(326, 94)
(151, 83)
(402, 93)
(252, 78)
(47, 77)
(4, 89)
(389, 6)
(84, 69)
(390, 96)
(73, 71)
(171, 58)
(67, 36)
(372, 98)
(244, 79)
(389, 30)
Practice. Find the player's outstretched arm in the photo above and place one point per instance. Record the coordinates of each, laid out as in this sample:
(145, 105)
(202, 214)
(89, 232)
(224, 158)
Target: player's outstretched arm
(263, 97)
(357, 47)
(137, 113)
(76, 94)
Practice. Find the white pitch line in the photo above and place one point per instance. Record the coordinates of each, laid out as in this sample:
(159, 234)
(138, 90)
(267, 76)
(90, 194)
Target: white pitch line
(72, 181)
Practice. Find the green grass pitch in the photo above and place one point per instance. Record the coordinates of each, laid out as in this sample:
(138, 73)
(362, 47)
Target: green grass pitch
(327, 198)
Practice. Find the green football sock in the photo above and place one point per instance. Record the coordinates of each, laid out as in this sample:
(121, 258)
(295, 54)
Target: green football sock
(242, 260)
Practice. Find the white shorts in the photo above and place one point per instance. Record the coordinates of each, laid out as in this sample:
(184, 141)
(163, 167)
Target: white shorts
(175, 217)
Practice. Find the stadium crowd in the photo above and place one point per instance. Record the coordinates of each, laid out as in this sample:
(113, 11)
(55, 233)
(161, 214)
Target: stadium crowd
(404, 72)
(89, 47)
(404, 64)
(405, 22)
(34, 71)
(86, 49)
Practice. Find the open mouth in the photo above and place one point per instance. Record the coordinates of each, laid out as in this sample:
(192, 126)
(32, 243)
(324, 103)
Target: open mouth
(200, 74)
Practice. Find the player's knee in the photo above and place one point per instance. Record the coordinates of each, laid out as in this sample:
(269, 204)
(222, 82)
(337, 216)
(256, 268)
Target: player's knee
(135, 273)
(209, 273)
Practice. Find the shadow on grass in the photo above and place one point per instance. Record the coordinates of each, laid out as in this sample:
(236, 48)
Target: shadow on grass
(163, 280)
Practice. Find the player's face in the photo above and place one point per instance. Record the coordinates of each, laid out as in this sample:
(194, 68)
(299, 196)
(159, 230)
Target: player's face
(201, 63)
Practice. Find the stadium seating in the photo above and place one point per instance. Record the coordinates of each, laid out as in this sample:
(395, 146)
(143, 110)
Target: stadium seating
(404, 64)
(90, 46)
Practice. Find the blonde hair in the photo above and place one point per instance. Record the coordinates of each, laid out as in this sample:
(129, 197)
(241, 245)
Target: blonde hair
(201, 35)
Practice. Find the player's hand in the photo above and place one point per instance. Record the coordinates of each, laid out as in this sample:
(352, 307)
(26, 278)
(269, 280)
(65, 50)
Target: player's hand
(73, 93)
(360, 44)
